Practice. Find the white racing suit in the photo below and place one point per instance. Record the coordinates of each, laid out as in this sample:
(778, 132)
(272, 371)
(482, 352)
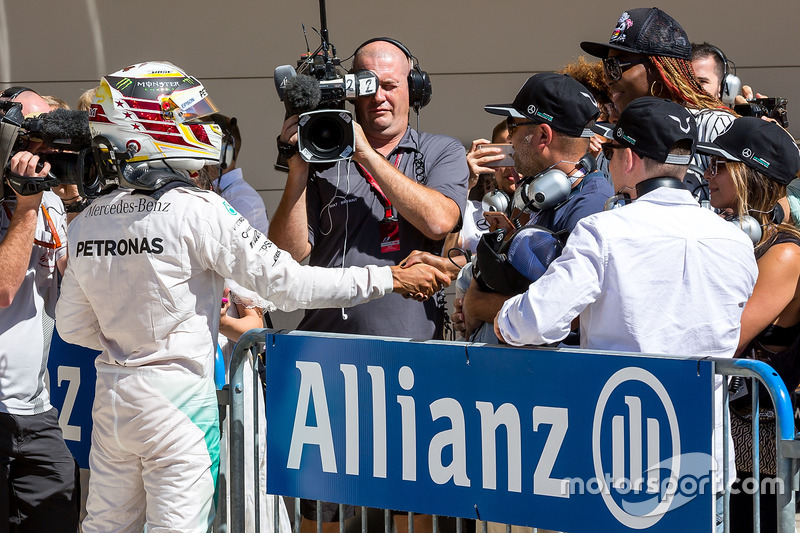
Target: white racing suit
(143, 285)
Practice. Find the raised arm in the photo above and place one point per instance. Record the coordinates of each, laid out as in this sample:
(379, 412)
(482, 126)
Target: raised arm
(430, 211)
(16, 247)
(289, 225)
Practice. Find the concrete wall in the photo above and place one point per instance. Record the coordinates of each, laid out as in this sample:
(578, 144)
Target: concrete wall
(476, 52)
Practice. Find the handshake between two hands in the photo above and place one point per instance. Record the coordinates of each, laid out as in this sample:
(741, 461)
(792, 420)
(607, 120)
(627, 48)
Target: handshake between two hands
(422, 274)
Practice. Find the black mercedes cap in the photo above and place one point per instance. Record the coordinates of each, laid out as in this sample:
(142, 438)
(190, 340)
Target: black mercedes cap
(645, 30)
(554, 99)
(650, 127)
(761, 145)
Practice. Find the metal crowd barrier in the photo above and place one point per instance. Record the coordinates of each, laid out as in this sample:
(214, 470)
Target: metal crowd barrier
(788, 448)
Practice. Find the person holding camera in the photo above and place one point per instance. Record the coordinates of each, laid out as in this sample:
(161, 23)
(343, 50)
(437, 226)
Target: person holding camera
(402, 190)
(148, 263)
(37, 472)
(548, 125)
(638, 275)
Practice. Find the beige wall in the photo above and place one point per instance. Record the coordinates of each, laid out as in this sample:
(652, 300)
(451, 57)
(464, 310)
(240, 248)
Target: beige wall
(476, 52)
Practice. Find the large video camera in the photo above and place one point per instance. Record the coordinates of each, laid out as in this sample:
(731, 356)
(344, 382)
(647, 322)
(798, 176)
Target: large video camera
(65, 131)
(316, 91)
(765, 107)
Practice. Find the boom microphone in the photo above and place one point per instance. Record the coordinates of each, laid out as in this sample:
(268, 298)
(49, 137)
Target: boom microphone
(61, 129)
(301, 95)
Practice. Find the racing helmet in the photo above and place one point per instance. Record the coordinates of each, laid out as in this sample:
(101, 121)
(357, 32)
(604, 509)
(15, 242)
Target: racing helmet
(152, 116)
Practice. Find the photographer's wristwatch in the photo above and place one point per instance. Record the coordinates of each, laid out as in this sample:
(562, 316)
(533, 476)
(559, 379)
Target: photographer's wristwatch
(287, 150)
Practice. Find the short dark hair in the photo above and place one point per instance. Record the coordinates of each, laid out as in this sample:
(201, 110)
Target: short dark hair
(701, 50)
(682, 147)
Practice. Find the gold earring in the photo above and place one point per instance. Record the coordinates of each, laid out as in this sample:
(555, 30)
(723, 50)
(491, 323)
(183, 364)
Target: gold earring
(660, 88)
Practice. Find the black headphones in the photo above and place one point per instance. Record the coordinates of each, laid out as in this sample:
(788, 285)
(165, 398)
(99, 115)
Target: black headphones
(419, 84)
(730, 85)
(12, 92)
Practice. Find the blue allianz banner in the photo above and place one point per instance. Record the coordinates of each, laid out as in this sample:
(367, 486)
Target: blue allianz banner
(564, 440)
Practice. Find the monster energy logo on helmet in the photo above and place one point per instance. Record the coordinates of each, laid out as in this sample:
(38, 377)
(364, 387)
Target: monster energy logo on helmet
(123, 84)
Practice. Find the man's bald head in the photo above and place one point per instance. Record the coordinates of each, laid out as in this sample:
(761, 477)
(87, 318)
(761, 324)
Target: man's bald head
(32, 103)
(381, 50)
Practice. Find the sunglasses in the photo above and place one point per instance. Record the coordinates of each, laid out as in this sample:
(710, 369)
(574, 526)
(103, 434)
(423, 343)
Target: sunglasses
(608, 150)
(614, 68)
(512, 126)
(714, 163)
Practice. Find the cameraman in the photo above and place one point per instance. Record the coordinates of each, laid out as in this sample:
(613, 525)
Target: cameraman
(334, 215)
(37, 489)
(330, 210)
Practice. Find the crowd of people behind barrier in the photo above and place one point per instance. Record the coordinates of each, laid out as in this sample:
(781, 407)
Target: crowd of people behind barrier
(626, 185)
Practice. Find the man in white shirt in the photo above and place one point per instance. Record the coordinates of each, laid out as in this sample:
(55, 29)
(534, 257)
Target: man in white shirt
(661, 275)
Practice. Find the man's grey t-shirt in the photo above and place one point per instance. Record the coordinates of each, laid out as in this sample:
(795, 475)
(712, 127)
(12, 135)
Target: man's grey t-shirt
(345, 213)
(26, 326)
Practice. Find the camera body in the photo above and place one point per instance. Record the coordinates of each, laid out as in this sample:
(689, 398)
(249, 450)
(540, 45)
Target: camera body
(774, 107)
(66, 132)
(317, 91)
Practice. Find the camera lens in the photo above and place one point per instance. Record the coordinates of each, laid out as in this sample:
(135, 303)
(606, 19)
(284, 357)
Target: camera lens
(326, 135)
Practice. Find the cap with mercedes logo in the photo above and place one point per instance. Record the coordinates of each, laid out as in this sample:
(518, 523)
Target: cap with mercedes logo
(651, 127)
(761, 145)
(553, 99)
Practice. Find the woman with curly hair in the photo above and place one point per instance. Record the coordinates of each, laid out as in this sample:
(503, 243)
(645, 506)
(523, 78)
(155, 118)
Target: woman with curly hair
(751, 165)
(649, 54)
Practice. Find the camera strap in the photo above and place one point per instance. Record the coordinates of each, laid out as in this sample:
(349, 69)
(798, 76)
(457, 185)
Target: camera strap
(389, 227)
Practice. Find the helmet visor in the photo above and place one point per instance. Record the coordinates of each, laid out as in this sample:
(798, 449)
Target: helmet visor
(188, 104)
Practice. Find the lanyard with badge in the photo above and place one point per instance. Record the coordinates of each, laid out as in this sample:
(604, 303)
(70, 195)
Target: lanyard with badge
(389, 227)
(56, 241)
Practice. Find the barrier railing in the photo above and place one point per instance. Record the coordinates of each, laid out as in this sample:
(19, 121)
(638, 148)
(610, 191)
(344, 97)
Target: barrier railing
(610, 441)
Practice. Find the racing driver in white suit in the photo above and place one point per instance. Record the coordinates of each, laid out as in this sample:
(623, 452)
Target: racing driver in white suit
(143, 285)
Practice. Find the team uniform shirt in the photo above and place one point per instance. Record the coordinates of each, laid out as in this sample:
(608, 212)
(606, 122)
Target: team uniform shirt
(660, 275)
(26, 326)
(175, 253)
(344, 213)
(143, 285)
(244, 198)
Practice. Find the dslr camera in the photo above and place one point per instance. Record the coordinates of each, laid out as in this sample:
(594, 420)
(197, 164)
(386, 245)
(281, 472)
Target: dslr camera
(64, 131)
(765, 107)
(317, 91)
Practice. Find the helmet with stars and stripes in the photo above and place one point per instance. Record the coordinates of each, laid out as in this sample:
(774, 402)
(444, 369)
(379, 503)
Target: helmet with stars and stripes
(153, 116)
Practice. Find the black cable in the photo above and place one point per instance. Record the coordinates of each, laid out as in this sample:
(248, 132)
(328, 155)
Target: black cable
(465, 253)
